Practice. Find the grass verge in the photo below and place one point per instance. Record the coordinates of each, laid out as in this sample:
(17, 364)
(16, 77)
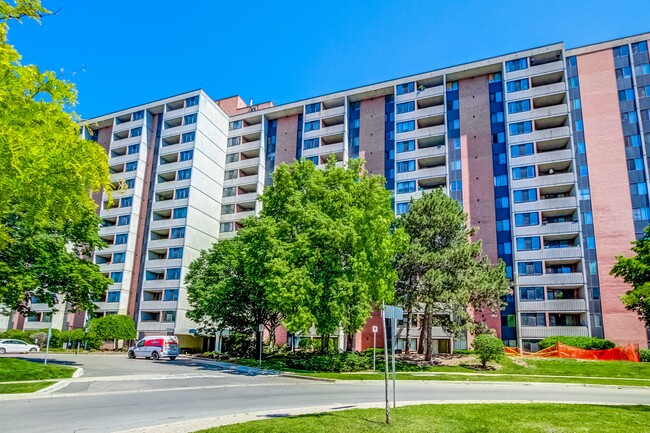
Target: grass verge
(18, 388)
(461, 418)
(12, 369)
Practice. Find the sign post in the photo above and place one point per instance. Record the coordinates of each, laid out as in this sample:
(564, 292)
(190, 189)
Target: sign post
(394, 314)
(261, 329)
(374, 347)
(47, 346)
(383, 314)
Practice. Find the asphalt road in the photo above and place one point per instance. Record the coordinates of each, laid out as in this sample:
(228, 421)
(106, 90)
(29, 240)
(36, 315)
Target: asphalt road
(118, 394)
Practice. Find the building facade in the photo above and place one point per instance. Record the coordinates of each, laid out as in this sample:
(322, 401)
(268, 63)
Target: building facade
(544, 148)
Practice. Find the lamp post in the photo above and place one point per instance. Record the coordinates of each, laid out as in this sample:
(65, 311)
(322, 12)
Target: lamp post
(261, 330)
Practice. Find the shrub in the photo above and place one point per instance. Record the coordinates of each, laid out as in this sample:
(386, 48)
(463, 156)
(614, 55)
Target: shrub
(488, 348)
(17, 334)
(240, 346)
(464, 352)
(330, 361)
(588, 343)
(645, 355)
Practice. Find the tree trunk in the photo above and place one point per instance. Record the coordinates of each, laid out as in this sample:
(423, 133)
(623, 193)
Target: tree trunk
(349, 342)
(428, 333)
(407, 346)
(422, 336)
(324, 343)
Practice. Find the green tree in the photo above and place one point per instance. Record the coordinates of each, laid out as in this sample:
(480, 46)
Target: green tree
(48, 218)
(444, 271)
(488, 348)
(636, 272)
(112, 327)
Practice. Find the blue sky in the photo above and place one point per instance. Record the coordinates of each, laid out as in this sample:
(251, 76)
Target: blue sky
(133, 52)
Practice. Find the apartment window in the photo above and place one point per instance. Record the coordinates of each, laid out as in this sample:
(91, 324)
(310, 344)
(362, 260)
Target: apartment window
(501, 180)
(189, 119)
(404, 187)
(187, 155)
(533, 319)
(229, 191)
(192, 101)
(403, 208)
(640, 188)
(590, 241)
(571, 61)
(232, 157)
(176, 253)
(406, 126)
(642, 69)
(521, 128)
(504, 248)
(496, 117)
(180, 212)
(189, 136)
(496, 96)
(126, 202)
(593, 268)
(626, 95)
(640, 47)
(311, 143)
(134, 148)
(312, 126)
(644, 91)
(136, 132)
(503, 225)
(234, 141)
(230, 174)
(583, 170)
(181, 193)
(138, 115)
(494, 78)
(525, 149)
(641, 214)
(113, 297)
(405, 107)
(130, 183)
(124, 220)
(171, 295)
(405, 88)
(525, 195)
(519, 106)
(577, 104)
(517, 85)
(523, 172)
(624, 72)
(121, 238)
(117, 277)
(313, 159)
(131, 166)
(526, 219)
(635, 164)
(529, 268)
(405, 166)
(452, 85)
(225, 227)
(516, 65)
(184, 174)
(559, 269)
(528, 244)
(456, 185)
(173, 274)
(585, 194)
(405, 146)
(621, 51)
(501, 203)
(587, 218)
(578, 125)
(234, 125)
(595, 293)
(178, 233)
(574, 82)
(119, 257)
(531, 293)
(169, 316)
(227, 209)
(312, 108)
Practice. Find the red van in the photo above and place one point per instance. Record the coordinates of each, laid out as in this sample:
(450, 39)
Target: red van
(155, 347)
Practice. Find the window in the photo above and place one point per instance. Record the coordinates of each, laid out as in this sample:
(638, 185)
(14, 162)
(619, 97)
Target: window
(405, 166)
(499, 137)
(402, 208)
(559, 269)
(124, 220)
(126, 202)
(454, 124)
(494, 78)
(521, 128)
(501, 203)
(581, 147)
(645, 115)
(190, 136)
(180, 212)
(176, 253)
(585, 194)
(595, 293)
(574, 82)
(134, 148)
(503, 225)
(583, 171)
(644, 91)
(181, 193)
(119, 257)
(117, 277)
(232, 157)
(136, 132)
(230, 174)
(225, 227)
(234, 125)
(632, 140)
(229, 191)
(640, 47)
(640, 188)
(531, 293)
(526, 219)
(234, 141)
(405, 107)
(504, 248)
(171, 295)
(405, 88)
(496, 117)
(641, 214)
(516, 65)
(131, 166)
(642, 69)
(533, 319)
(525, 195)
(138, 115)
(593, 268)
(496, 96)
(406, 126)
(517, 85)
(519, 106)
(311, 143)
(626, 95)
(590, 241)
(404, 187)
(130, 183)
(184, 174)
(452, 104)
(227, 209)
(523, 172)
(192, 101)
(169, 316)
(173, 274)
(312, 126)
(452, 85)
(571, 61)
(189, 119)
(456, 185)
(113, 297)
(529, 268)
(405, 146)
(121, 239)
(312, 108)
(501, 180)
(587, 218)
(528, 244)
(187, 155)
(178, 233)
(577, 104)
(621, 51)
(579, 126)
(522, 150)
(313, 159)
(635, 164)
(624, 72)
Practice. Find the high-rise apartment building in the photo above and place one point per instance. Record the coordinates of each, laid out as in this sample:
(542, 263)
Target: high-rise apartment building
(544, 148)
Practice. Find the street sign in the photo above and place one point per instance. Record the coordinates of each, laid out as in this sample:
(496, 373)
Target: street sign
(192, 331)
(375, 329)
(261, 328)
(393, 312)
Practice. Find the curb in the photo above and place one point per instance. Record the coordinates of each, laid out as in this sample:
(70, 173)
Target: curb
(317, 379)
(78, 373)
(52, 388)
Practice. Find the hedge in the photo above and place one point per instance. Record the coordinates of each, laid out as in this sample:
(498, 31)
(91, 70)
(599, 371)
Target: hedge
(589, 343)
(645, 355)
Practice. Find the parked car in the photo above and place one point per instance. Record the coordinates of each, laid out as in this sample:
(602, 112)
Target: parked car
(155, 347)
(17, 346)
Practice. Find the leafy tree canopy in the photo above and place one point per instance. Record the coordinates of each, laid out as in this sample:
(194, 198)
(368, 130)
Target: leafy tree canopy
(113, 327)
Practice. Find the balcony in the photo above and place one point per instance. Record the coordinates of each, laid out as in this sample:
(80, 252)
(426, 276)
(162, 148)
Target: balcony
(544, 134)
(423, 173)
(243, 163)
(432, 131)
(535, 92)
(550, 254)
(572, 278)
(325, 131)
(237, 216)
(546, 180)
(242, 180)
(538, 113)
(326, 112)
(543, 332)
(243, 147)
(240, 198)
(543, 157)
(546, 204)
(546, 68)
(546, 229)
(159, 305)
(562, 305)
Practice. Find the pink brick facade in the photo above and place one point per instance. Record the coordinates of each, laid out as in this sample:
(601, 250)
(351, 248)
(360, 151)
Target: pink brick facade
(371, 134)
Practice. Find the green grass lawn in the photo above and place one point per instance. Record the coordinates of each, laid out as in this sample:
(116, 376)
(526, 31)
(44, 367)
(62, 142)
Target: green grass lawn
(18, 388)
(12, 369)
(460, 418)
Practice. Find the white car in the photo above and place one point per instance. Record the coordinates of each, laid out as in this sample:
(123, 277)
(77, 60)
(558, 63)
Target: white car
(17, 346)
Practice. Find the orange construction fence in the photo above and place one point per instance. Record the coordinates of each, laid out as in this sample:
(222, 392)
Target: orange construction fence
(560, 350)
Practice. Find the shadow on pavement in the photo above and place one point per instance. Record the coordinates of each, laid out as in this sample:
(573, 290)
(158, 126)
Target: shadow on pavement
(223, 367)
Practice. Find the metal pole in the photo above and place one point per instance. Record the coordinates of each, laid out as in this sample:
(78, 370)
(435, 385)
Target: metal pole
(374, 351)
(261, 339)
(47, 346)
(392, 357)
(385, 365)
